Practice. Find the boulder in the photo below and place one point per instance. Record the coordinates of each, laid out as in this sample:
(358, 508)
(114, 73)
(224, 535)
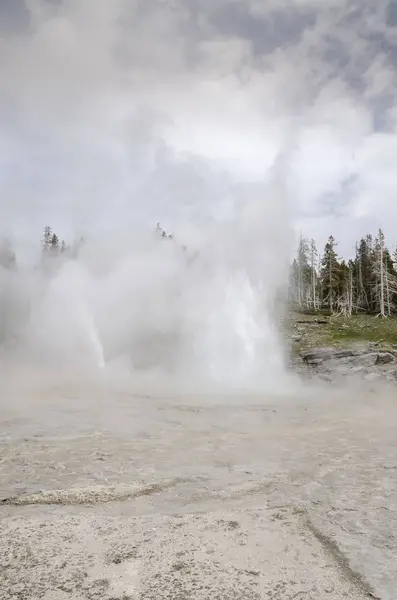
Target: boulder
(316, 354)
(384, 358)
(364, 360)
(315, 362)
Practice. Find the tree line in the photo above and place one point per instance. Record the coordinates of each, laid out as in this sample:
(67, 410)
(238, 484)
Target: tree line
(365, 284)
(52, 246)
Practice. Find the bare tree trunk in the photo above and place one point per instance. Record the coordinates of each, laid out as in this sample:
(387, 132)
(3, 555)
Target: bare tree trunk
(387, 294)
(381, 274)
(331, 301)
(350, 306)
(357, 260)
(299, 283)
(382, 280)
(313, 266)
(362, 298)
(300, 276)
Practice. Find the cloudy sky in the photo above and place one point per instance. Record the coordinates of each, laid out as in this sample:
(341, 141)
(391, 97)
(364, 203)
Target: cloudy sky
(115, 113)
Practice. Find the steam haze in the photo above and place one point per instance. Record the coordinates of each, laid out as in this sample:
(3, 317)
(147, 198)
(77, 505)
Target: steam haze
(231, 124)
(156, 437)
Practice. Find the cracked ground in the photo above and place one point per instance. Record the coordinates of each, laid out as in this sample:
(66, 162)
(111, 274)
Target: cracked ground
(107, 494)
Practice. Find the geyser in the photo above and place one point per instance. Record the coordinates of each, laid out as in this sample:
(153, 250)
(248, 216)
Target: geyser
(201, 314)
(117, 117)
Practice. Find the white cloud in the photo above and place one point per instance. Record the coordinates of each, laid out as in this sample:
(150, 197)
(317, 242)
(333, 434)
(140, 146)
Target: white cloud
(125, 112)
(94, 93)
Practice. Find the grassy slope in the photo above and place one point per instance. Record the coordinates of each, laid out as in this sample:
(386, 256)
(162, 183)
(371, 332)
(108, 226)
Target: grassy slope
(341, 331)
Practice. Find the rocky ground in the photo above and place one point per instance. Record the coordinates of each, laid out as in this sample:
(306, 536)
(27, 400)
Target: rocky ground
(367, 362)
(333, 349)
(111, 494)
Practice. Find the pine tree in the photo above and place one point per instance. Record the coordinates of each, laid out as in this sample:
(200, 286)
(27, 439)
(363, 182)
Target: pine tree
(391, 283)
(54, 244)
(368, 283)
(163, 232)
(364, 267)
(47, 237)
(344, 291)
(330, 274)
(50, 244)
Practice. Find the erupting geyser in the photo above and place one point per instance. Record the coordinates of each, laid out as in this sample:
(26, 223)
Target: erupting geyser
(199, 313)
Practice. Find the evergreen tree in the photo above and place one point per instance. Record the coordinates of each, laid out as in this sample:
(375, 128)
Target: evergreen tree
(54, 244)
(364, 269)
(47, 237)
(330, 273)
(366, 283)
(163, 232)
(344, 288)
(391, 282)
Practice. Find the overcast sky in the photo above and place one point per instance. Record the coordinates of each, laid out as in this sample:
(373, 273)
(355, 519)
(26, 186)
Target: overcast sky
(118, 112)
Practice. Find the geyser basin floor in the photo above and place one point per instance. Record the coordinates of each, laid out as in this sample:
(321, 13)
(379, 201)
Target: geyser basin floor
(114, 496)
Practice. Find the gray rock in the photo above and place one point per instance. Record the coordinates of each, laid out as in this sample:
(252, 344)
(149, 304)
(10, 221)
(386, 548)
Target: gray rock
(344, 353)
(364, 360)
(360, 361)
(326, 353)
(315, 362)
(316, 353)
(384, 358)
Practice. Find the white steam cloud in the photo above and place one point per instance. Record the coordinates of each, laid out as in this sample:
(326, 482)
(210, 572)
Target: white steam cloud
(124, 115)
(218, 119)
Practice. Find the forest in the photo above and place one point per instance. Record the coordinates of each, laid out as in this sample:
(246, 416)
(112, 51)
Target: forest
(366, 284)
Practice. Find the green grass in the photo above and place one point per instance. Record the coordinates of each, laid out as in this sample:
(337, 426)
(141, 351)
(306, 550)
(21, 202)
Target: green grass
(342, 331)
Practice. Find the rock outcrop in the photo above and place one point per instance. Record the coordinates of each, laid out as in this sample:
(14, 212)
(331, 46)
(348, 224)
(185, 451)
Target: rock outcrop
(368, 362)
